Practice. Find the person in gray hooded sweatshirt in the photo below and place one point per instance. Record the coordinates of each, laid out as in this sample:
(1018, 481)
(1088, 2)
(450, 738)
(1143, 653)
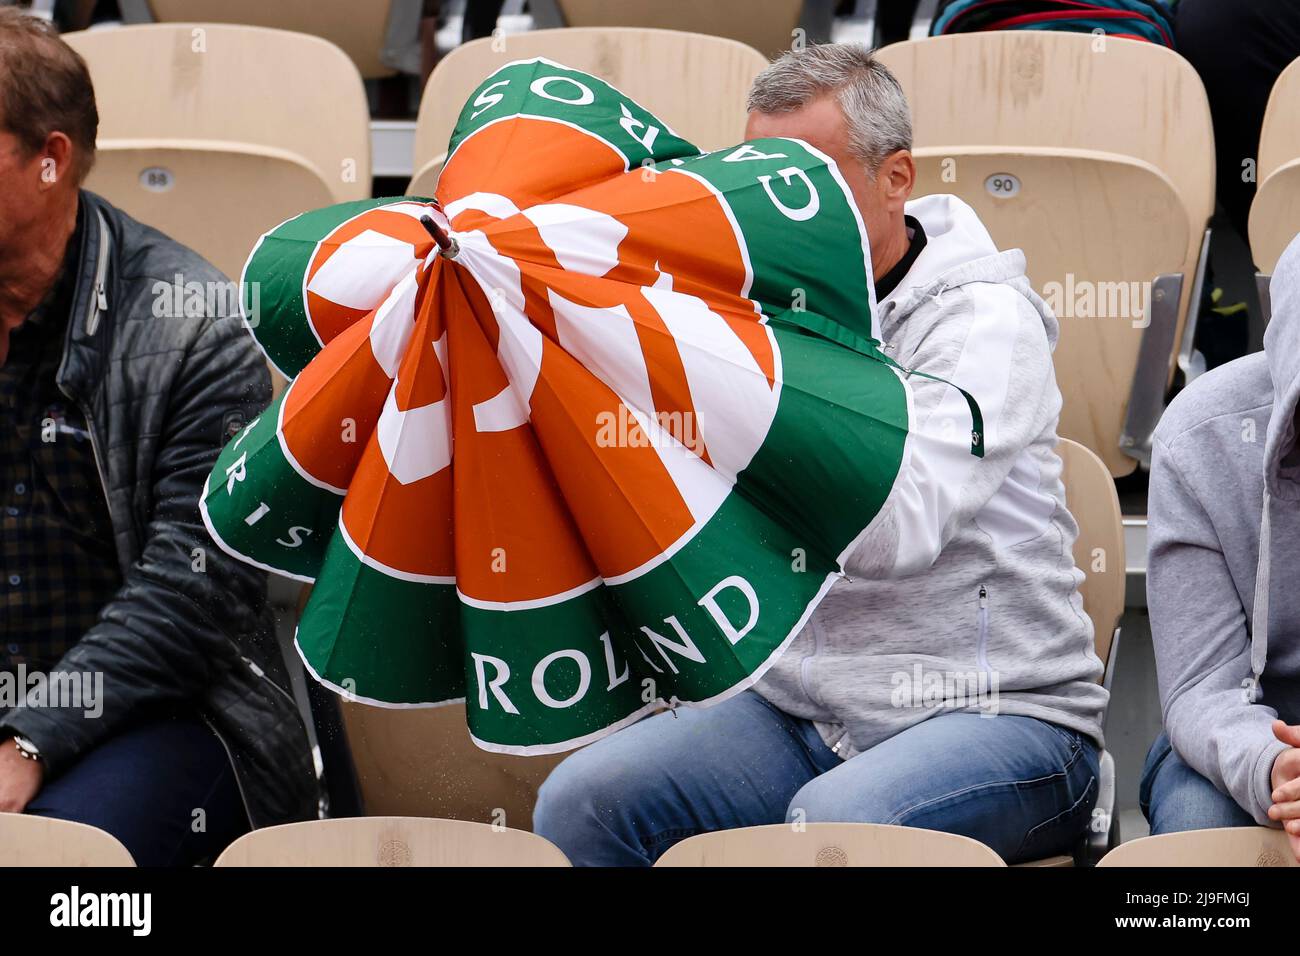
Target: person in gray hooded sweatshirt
(1224, 529)
(949, 680)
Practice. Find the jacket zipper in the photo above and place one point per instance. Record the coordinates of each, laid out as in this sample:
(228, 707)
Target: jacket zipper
(982, 647)
(99, 305)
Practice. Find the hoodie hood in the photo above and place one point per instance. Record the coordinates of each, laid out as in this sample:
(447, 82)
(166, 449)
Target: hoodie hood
(1282, 348)
(1281, 462)
(958, 250)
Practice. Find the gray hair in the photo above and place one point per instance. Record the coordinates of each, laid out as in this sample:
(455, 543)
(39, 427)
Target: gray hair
(875, 109)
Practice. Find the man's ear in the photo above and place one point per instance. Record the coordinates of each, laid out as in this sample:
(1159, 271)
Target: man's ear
(896, 178)
(56, 160)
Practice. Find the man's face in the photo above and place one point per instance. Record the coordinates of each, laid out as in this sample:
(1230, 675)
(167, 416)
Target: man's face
(821, 123)
(31, 181)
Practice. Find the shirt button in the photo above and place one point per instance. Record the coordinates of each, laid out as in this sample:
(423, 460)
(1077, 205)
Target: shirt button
(13, 648)
(15, 580)
(12, 512)
(20, 489)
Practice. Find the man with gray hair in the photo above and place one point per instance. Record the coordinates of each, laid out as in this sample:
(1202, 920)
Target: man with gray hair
(949, 680)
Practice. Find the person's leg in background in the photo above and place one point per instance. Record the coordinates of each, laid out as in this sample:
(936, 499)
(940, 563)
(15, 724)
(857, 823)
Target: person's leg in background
(165, 789)
(1239, 49)
(624, 800)
(1174, 797)
(1022, 786)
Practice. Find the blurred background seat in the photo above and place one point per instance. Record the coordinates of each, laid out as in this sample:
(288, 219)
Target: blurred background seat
(216, 133)
(1275, 210)
(766, 25)
(696, 83)
(370, 33)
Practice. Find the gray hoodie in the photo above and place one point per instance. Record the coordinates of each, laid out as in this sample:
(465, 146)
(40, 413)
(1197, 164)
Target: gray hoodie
(1224, 529)
(962, 595)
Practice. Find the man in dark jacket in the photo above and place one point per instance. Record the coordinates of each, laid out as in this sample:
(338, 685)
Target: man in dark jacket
(141, 687)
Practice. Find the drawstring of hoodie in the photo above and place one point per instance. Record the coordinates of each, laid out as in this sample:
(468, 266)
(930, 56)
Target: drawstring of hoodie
(1259, 615)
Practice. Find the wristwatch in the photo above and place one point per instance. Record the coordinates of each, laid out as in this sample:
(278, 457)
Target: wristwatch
(26, 749)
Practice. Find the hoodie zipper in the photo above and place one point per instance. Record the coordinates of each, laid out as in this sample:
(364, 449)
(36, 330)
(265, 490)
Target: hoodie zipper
(982, 618)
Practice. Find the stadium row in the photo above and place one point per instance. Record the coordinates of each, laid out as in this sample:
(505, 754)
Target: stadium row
(1094, 155)
(414, 841)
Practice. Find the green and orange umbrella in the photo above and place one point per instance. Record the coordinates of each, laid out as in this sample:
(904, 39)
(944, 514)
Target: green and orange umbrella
(586, 435)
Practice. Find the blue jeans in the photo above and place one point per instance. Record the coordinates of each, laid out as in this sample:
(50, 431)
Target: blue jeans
(1022, 786)
(164, 788)
(1175, 797)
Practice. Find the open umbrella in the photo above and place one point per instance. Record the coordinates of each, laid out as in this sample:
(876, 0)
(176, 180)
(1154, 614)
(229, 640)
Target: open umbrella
(585, 436)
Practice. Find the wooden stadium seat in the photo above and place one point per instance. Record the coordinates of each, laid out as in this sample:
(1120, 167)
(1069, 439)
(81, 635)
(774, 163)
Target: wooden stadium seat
(1095, 156)
(766, 25)
(216, 133)
(390, 841)
(40, 841)
(663, 70)
(275, 183)
(1230, 846)
(359, 29)
(422, 762)
(829, 844)
(1099, 548)
(1275, 211)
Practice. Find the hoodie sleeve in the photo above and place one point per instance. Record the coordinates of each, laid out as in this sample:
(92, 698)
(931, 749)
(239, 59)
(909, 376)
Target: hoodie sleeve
(1202, 645)
(990, 341)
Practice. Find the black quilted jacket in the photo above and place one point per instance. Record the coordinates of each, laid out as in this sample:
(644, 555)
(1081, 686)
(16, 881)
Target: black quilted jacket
(161, 392)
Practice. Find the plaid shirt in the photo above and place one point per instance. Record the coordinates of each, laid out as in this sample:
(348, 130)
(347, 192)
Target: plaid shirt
(58, 566)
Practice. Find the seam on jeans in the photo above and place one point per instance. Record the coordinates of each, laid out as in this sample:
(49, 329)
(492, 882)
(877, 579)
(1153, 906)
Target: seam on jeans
(1063, 815)
(790, 719)
(663, 836)
(207, 798)
(1075, 754)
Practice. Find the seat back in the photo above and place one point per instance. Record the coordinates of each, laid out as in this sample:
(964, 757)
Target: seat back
(697, 84)
(215, 197)
(1279, 136)
(358, 29)
(1275, 215)
(1127, 225)
(1067, 150)
(1230, 846)
(41, 841)
(263, 88)
(1062, 91)
(1099, 548)
(422, 762)
(390, 841)
(1275, 211)
(766, 25)
(829, 844)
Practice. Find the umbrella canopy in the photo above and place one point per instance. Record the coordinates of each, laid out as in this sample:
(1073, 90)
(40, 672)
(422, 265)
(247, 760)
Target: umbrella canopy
(603, 453)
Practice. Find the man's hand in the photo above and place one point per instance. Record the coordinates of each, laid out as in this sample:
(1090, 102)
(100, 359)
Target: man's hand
(1286, 783)
(20, 778)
